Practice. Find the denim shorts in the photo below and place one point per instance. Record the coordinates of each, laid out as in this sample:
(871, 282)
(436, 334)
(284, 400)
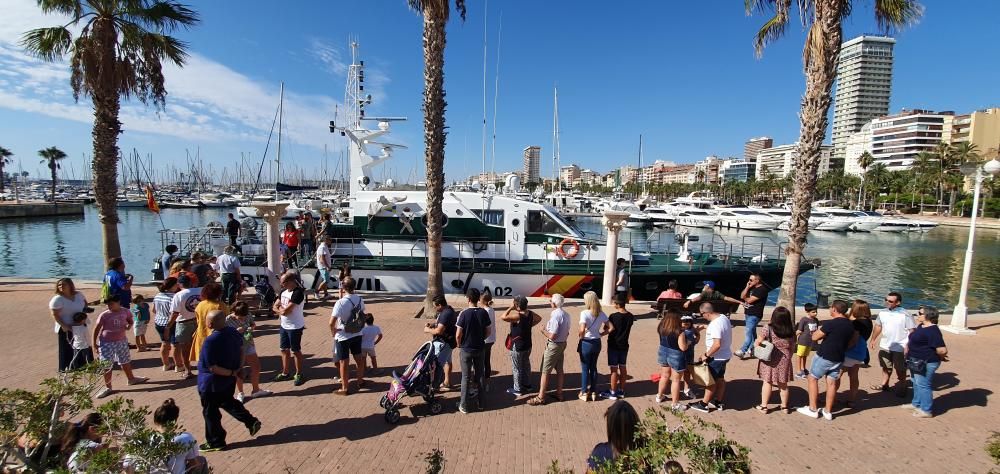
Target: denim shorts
(617, 358)
(824, 368)
(348, 347)
(290, 339)
(166, 335)
(443, 352)
(717, 367)
(672, 358)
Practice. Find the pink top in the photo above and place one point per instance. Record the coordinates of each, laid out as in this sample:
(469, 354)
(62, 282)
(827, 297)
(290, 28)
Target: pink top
(671, 294)
(114, 324)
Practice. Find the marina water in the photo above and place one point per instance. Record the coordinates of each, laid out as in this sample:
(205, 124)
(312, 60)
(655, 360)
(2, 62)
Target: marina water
(925, 267)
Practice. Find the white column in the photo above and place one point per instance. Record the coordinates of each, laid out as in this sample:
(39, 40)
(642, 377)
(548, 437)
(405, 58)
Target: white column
(272, 214)
(613, 221)
(960, 315)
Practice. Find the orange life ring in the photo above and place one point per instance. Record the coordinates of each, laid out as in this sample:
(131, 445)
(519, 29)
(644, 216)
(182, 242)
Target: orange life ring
(573, 249)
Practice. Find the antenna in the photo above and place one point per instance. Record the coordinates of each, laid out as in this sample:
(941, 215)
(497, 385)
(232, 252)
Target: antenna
(496, 97)
(486, 10)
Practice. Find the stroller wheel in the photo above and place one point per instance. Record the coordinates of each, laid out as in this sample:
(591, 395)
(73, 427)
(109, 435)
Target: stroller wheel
(383, 400)
(392, 416)
(436, 407)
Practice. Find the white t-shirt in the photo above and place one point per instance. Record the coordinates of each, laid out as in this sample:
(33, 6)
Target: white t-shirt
(323, 256)
(184, 303)
(593, 325)
(368, 336)
(178, 462)
(720, 328)
(81, 340)
(896, 326)
(295, 319)
(83, 445)
(341, 310)
(492, 336)
(67, 307)
(228, 263)
(558, 325)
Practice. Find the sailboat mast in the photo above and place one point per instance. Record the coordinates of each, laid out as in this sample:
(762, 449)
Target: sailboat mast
(641, 178)
(555, 138)
(486, 10)
(281, 112)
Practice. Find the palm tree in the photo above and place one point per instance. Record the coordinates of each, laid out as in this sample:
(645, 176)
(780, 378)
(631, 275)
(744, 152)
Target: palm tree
(823, 19)
(118, 53)
(51, 157)
(5, 160)
(435, 14)
(864, 161)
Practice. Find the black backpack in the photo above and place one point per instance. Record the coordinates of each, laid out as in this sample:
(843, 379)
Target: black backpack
(354, 322)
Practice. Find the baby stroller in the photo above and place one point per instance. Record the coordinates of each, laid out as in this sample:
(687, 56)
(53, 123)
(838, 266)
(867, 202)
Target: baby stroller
(265, 295)
(417, 379)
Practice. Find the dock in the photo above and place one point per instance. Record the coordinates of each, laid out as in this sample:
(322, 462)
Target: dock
(11, 210)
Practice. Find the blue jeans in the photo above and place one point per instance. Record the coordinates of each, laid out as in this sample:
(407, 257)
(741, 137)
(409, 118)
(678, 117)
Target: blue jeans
(922, 388)
(590, 350)
(751, 333)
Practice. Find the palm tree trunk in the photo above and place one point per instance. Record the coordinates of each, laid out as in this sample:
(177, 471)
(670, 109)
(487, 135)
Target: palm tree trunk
(52, 168)
(2, 176)
(105, 135)
(820, 73)
(434, 141)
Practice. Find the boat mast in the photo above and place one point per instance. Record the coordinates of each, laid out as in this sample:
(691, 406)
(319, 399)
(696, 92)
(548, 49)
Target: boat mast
(486, 10)
(642, 179)
(496, 97)
(281, 112)
(555, 139)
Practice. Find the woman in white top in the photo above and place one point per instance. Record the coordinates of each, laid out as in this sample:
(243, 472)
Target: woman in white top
(486, 302)
(189, 460)
(66, 302)
(593, 325)
(84, 435)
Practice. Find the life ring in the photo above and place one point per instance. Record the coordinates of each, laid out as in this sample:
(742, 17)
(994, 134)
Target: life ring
(573, 249)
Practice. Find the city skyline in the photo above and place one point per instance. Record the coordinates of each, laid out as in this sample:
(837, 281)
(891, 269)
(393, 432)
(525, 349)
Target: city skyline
(690, 99)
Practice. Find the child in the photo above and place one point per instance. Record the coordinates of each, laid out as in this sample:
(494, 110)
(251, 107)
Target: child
(621, 324)
(803, 332)
(243, 322)
(140, 315)
(692, 336)
(83, 354)
(111, 342)
(370, 336)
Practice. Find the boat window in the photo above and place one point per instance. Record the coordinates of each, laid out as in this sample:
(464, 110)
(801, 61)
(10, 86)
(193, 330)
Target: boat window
(490, 216)
(543, 222)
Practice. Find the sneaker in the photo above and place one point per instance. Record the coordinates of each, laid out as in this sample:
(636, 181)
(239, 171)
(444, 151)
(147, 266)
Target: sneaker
(688, 394)
(826, 415)
(105, 392)
(678, 407)
(801, 375)
(240, 397)
(281, 377)
(168, 368)
(620, 394)
(299, 380)
(516, 393)
(659, 399)
(909, 406)
(207, 448)
(255, 428)
(178, 369)
(700, 406)
(137, 380)
(260, 393)
(609, 395)
(592, 396)
(740, 354)
(808, 412)
(918, 413)
(462, 410)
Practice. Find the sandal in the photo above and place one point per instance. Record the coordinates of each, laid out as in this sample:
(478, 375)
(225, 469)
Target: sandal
(556, 397)
(536, 401)
(785, 410)
(879, 388)
(761, 408)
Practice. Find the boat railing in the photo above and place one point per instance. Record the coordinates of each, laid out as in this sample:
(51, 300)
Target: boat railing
(189, 241)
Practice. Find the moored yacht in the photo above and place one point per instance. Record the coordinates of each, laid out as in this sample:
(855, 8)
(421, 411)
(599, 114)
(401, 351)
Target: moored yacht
(745, 218)
(696, 218)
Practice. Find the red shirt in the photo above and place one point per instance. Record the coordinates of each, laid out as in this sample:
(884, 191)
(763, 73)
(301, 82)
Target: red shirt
(291, 238)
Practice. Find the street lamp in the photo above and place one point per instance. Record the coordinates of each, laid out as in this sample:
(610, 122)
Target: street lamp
(960, 315)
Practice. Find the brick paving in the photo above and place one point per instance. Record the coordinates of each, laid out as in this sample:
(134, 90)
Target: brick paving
(308, 429)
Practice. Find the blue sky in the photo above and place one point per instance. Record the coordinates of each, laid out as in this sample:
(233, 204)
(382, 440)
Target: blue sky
(683, 74)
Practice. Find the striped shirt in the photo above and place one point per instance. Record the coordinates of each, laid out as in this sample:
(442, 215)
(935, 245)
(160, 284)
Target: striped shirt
(161, 303)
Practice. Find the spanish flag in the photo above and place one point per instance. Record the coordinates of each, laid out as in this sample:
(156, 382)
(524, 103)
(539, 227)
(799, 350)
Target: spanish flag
(151, 200)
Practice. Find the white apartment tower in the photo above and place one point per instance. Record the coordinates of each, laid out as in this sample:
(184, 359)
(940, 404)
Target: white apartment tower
(532, 159)
(864, 83)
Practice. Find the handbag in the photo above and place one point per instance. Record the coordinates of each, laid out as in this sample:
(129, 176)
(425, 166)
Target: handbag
(917, 366)
(701, 375)
(579, 342)
(509, 343)
(765, 349)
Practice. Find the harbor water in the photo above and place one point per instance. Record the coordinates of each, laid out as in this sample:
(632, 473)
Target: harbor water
(925, 267)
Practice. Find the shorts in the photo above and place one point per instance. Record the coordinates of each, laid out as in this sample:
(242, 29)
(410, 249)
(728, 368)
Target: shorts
(890, 360)
(849, 362)
(443, 352)
(140, 329)
(324, 277)
(290, 339)
(717, 368)
(347, 347)
(249, 349)
(803, 351)
(166, 335)
(552, 358)
(115, 351)
(368, 352)
(617, 358)
(824, 368)
(673, 358)
(184, 331)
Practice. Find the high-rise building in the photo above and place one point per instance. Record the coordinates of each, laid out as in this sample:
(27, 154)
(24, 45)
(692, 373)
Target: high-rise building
(532, 159)
(897, 139)
(568, 173)
(981, 128)
(737, 170)
(779, 161)
(864, 84)
(754, 146)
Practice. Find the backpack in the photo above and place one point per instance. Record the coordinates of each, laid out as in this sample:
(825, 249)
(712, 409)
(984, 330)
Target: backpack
(354, 322)
(105, 289)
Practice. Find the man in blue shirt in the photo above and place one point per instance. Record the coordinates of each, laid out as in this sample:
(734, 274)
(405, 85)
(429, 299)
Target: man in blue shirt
(221, 357)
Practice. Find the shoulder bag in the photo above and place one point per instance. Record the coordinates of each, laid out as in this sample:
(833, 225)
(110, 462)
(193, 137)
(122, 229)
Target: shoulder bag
(765, 349)
(579, 343)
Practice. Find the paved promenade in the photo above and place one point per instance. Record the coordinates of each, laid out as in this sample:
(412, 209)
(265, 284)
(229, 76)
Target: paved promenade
(309, 429)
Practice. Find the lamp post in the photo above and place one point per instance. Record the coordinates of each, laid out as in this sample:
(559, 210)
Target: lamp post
(960, 315)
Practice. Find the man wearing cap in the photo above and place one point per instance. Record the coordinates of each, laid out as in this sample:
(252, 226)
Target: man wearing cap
(718, 351)
(229, 267)
(556, 332)
(182, 315)
(708, 293)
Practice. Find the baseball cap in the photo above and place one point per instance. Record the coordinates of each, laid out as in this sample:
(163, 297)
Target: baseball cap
(709, 283)
(687, 317)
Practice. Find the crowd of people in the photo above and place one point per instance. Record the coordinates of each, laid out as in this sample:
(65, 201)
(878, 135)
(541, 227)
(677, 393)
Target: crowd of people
(203, 328)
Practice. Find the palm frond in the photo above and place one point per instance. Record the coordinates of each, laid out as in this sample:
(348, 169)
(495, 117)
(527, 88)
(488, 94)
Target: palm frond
(420, 6)
(460, 8)
(162, 16)
(774, 28)
(71, 8)
(813, 49)
(48, 44)
(891, 15)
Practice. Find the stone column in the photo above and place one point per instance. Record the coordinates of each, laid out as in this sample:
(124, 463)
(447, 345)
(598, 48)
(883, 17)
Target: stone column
(613, 221)
(272, 212)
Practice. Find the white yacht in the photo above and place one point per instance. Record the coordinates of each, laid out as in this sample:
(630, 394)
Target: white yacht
(784, 216)
(744, 218)
(697, 218)
(899, 224)
(660, 216)
(831, 223)
(861, 222)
